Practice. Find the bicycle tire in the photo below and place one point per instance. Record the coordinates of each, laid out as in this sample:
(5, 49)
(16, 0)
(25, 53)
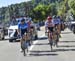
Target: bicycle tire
(24, 47)
(51, 41)
(24, 52)
(51, 44)
(27, 49)
(57, 40)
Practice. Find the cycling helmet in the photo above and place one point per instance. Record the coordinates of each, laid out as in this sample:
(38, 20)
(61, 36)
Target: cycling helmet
(58, 16)
(49, 18)
(54, 17)
(23, 20)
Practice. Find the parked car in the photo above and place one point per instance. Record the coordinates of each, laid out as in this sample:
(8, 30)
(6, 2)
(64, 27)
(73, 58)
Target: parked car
(71, 24)
(12, 31)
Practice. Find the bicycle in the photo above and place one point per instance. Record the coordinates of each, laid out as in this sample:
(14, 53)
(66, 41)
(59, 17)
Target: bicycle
(57, 37)
(25, 44)
(50, 38)
(31, 35)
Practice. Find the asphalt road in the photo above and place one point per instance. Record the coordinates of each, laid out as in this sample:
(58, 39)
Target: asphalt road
(40, 50)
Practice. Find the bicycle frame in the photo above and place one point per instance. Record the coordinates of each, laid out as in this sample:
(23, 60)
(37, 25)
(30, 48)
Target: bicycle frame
(50, 35)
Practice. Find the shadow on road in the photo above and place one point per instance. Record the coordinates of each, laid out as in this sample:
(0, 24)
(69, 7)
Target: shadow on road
(39, 51)
(42, 38)
(4, 40)
(57, 50)
(66, 41)
(66, 46)
(42, 53)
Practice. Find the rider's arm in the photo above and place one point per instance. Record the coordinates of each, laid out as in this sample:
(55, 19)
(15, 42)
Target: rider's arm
(27, 25)
(53, 23)
(19, 29)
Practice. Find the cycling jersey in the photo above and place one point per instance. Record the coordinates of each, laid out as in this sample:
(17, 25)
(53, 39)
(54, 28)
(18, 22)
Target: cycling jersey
(30, 24)
(23, 28)
(56, 21)
(49, 24)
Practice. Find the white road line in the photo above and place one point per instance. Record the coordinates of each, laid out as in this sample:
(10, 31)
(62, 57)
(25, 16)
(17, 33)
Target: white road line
(35, 42)
(33, 45)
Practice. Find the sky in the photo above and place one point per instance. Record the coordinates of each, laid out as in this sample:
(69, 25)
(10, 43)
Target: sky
(4, 3)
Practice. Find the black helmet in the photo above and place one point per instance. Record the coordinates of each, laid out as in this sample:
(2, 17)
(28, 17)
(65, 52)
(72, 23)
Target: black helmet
(58, 16)
(23, 20)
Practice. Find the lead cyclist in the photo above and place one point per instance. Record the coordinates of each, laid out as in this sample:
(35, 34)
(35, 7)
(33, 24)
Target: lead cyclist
(49, 25)
(22, 28)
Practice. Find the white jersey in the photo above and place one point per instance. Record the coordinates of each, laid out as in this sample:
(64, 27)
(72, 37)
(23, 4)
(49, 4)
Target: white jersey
(49, 24)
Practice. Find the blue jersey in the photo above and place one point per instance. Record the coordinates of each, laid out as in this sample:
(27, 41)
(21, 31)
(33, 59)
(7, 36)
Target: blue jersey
(56, 21)
(22, 26)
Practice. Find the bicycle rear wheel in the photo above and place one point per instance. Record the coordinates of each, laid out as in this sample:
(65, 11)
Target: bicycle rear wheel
(24, 47)
(57, 40)
(24, 52)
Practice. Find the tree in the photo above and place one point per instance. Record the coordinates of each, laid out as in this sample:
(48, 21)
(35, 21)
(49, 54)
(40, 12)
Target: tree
(53, 9)
(41, 11)
(71, 4)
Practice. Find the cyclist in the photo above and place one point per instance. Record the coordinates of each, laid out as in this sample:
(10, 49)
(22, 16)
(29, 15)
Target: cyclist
(22, 28)
(30, 23)
(49, 25)
(62, 24)
(31, 29)
(57, 22)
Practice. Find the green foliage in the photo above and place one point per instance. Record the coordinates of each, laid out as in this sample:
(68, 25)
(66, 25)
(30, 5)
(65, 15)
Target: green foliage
(71, 4)
(41, 11)
(53, 9)
(62, 10)
(38, 11)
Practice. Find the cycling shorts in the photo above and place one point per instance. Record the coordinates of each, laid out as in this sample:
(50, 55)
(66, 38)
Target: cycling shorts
(51, 29)
(31, 27)
(23, 31)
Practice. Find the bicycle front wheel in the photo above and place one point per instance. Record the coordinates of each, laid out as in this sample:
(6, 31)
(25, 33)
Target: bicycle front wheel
(51, 43)
(24, 53)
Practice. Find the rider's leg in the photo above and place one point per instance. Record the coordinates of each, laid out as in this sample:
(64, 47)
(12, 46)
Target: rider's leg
(49, 33)
(21, 41)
